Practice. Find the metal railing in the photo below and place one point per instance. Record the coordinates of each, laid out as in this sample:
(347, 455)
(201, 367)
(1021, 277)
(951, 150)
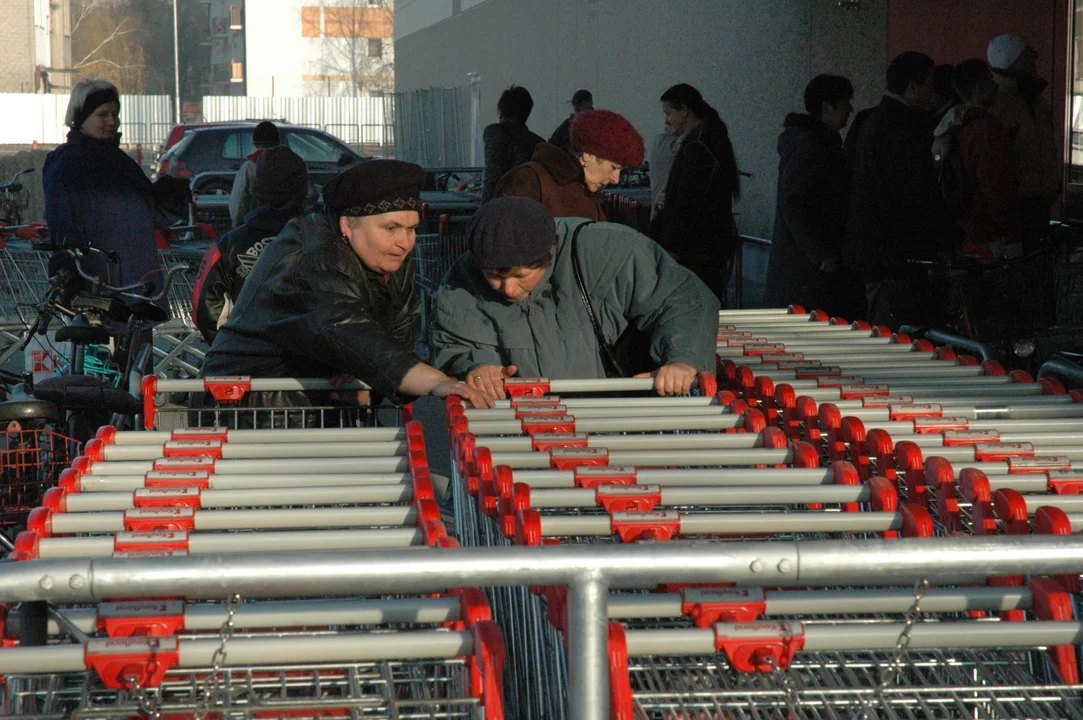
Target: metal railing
(588, 571)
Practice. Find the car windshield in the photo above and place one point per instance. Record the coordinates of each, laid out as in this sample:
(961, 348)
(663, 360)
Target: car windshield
(315, 149)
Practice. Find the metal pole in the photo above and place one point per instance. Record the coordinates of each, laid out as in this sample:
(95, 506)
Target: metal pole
(408, 570)
(475, 119)
(588, 649)
(176, 65)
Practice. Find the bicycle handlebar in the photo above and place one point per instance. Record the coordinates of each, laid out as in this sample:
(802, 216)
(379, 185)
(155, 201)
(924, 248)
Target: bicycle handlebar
(15, 179)
(128, 291)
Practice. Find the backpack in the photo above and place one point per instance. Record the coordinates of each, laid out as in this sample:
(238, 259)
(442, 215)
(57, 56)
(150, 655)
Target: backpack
(957, 186)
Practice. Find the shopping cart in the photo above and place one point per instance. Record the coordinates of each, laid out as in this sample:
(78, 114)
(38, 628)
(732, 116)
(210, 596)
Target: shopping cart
(664, 488)
(436, 252)
(178, 348)
(235, 402)
(32, 456)
(139, 494)
(24, 279)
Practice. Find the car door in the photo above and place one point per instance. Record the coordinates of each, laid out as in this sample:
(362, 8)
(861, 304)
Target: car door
(324, 155)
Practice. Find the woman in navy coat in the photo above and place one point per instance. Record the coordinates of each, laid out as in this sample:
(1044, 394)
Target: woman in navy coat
(96, 195)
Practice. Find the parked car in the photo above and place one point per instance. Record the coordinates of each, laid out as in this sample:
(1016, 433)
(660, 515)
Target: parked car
(177, 132)
(211, 156)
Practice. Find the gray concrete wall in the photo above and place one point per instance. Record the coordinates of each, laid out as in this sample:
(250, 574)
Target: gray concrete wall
(751, 60)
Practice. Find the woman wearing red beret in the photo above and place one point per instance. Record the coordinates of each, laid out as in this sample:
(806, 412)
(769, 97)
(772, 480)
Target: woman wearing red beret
(567, 183)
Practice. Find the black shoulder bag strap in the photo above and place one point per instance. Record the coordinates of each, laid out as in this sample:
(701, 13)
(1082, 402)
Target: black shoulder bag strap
(609, 362)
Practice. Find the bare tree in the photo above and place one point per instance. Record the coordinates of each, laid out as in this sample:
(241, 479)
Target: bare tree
(109, 38)
(357, 51)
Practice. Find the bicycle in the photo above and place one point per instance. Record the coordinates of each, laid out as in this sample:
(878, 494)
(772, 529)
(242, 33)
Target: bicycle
(12, 205)
(997, 310)
(98, 314)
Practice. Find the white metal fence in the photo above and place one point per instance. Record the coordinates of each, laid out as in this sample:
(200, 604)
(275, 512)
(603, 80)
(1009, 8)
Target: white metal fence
(422, 126)
(26, 118)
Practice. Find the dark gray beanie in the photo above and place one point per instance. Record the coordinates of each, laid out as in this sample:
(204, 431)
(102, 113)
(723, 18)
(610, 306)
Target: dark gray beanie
(511, 231)
(281, 177)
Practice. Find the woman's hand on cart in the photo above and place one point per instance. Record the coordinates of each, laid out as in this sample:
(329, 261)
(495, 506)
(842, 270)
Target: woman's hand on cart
(424, 379)
(672, 379)
(475, 397)
(360, 398)
(489, 379)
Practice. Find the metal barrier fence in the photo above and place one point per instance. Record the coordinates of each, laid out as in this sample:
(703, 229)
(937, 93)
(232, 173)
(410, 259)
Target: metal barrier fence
(429, 127)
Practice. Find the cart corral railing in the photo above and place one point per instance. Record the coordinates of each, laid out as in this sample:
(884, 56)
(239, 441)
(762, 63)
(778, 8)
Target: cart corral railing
(364, 122)
(31, 118)
(587, 571)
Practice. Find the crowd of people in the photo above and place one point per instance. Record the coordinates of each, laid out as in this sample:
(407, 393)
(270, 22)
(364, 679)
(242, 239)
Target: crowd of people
(952, 158)
(955, 160)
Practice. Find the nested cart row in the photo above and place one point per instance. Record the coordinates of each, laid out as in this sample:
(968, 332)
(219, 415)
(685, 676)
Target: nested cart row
(740, 465)
(199, 492)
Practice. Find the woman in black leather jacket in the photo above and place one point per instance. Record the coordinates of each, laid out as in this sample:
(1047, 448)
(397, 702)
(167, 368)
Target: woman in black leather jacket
(335, 294)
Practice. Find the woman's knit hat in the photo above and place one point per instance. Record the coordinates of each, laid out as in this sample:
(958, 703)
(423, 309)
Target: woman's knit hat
(607, 135)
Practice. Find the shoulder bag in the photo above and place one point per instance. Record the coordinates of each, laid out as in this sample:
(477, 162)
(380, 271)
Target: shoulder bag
(627, 355)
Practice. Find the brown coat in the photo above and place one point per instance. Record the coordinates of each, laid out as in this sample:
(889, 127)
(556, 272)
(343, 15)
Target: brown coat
(554, 178)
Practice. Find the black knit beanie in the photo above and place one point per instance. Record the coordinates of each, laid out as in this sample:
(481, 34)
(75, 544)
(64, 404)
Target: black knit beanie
(511, 231)
(281, 177)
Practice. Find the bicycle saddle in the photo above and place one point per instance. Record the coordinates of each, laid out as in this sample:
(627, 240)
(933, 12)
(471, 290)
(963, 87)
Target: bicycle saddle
(79, 392)
(28, 409)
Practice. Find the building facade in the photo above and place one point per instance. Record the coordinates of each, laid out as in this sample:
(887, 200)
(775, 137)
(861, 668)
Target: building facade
(36, 47)
(320, 48)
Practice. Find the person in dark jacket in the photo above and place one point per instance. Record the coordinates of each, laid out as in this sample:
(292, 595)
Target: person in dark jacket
(264, 136)
(98, 196)
(1025, 113)
(567, 182)
(813, 198)
(581, 101)
(509, 142)
(897, 214)
(695, 219)
(278, 192)
(985, 194)
(335, 294)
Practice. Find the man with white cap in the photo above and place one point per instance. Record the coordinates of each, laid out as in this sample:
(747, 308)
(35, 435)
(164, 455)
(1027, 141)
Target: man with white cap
(1026, 117)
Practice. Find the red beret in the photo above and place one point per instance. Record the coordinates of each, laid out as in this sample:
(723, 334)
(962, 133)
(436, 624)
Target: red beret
(609, 136)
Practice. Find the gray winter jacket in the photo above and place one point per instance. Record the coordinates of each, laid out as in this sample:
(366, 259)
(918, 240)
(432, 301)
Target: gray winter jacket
(630, 279)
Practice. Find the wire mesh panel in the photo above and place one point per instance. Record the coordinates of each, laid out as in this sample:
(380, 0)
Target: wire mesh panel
(30, 463)
(24, 280)
(937, 684)
(193, 403)
(435, 253)
(188, 254)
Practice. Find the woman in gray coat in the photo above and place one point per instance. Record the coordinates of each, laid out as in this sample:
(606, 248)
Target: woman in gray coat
(512, 304)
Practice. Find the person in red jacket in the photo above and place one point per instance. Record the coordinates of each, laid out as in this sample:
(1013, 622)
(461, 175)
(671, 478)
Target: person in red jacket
(984, 189)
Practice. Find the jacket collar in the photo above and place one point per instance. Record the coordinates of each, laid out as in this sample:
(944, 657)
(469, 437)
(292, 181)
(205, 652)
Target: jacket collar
(268, 218)
(561, 164)
(1026, 86)
(78, 137)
